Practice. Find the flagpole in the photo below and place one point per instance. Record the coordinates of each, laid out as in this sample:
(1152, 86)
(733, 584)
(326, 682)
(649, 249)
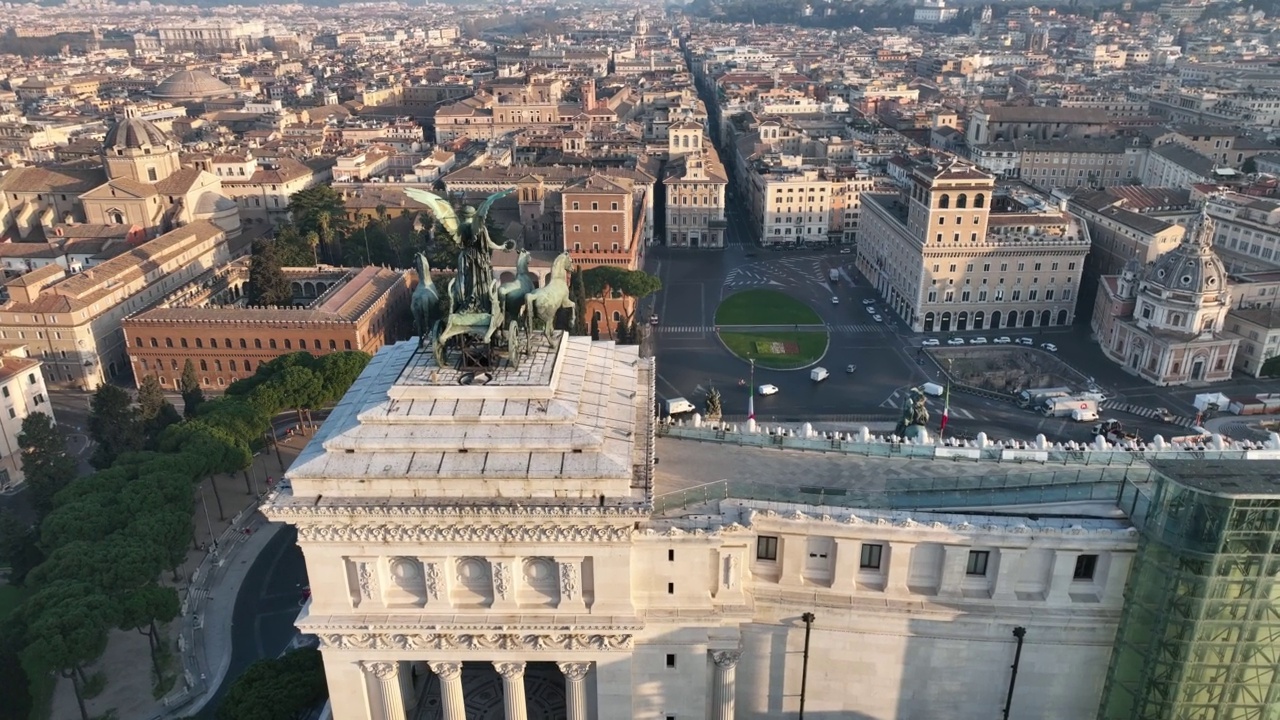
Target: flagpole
(751, 392)
(946, 411)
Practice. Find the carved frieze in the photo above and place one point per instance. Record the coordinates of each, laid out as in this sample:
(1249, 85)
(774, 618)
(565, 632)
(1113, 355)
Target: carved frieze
(568, 580)
(431, 575)
(501, 579)
(476, 641)
(392, 512)
(464, 533)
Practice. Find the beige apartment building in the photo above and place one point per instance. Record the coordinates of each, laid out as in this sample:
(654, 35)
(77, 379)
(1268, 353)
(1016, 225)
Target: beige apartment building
(1121, 232)
(1079, 163)
(22, 392)
(944, 259)
(696, 184)
(72, 323)
(793, 206)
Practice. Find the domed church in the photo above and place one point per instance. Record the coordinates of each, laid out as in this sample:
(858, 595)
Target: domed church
(1164, 322)
(147, 186)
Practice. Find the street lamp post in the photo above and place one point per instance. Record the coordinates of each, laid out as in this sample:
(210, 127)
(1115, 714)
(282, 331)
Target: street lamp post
(208, 523)
(808, 619)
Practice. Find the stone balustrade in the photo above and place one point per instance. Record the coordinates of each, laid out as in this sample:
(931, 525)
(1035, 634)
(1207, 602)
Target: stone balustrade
(1040, 449)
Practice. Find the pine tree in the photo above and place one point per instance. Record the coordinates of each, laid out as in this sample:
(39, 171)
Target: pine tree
(595, 328)
(267, 283)
(192, 395)
(46, 466)
(154, 410)
(113, 425)
(579, 296)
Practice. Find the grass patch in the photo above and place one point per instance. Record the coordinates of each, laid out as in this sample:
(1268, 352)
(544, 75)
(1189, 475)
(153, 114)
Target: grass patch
(10, 598)
(809, 346)
(765, 307)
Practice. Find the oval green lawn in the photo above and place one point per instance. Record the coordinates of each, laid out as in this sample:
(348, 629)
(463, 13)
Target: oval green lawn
(764, 307)
(809, 347)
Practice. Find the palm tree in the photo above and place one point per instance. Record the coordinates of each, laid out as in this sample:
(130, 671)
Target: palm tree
(313, 241)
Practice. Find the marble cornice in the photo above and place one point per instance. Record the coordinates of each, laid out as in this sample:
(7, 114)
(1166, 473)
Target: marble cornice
(461, 533)
(480, 638)
(362, 510)
(908, 523)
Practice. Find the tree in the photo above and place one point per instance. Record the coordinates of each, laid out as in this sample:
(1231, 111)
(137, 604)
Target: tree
(284, 688)
(192, 395)
(294, 249)
(142, 608)
(605, 281)
(19, 546)
(578, 293)
(155, 412)
(67, 626)
(45, 463)
(267, 283)
(113, 424)
(1271, 367)
(595, 328)
(321, 210)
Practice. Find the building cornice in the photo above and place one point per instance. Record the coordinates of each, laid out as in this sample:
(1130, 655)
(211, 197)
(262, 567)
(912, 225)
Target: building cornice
(491, 533)
(386, 510)
(564, 639)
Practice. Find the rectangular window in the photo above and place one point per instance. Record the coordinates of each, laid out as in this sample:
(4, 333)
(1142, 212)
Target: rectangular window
(671, 588)
(977, 564)
(1085, 565)
(767, 547)
(1017, 295)
(671, 660)
(671, 556)
(870, 556)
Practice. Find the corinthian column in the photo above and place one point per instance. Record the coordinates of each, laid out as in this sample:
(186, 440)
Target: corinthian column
(450, 674)
(389, 703)
(512, 690)
(722, 688)
(575, 688)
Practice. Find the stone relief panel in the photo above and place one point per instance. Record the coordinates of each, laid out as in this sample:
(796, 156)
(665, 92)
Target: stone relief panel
(474, 583)
(541, 587)
(362, 579)
(407, 586)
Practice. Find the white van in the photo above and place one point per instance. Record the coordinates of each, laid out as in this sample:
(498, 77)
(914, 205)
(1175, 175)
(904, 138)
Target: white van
(933, 389)
(819, 374)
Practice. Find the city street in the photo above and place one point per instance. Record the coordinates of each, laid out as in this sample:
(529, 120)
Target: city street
(691, 358)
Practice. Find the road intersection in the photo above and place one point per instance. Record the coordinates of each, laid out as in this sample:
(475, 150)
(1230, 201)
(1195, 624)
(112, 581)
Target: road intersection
(888, 357)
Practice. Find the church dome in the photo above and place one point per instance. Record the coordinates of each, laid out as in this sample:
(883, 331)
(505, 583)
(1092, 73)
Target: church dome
(191, 85)
(1192, 267)
(134, 133)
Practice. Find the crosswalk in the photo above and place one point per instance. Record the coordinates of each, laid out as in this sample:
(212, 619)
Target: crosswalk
(934, 404)
(1145, 412)
(851, 329)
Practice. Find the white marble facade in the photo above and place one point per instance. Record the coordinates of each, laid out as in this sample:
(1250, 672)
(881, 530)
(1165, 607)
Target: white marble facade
(509, 524)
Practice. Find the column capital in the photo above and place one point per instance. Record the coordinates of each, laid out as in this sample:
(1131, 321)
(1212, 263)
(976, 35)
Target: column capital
(574, 671)
(509, 670)
(726, 658)
(380, 670)
(446, 670)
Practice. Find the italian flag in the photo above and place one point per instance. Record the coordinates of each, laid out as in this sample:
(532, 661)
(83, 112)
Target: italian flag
(946, 408)
(751, 404)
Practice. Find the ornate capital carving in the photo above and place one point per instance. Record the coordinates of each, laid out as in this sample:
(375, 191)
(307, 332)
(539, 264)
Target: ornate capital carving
(447, 671)
(380, 670)
(510, 670)
(432, 580)
(726, 659)
(575, 671)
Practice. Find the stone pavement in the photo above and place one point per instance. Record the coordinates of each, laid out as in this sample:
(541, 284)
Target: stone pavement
(200, 640)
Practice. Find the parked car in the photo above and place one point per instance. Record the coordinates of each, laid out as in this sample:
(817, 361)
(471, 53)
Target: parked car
(1049, 346)
(653, 319)
(1002, 340)
(869, 301)
(1025, 341)
(956, 341)
(877, 318)
(768, 389)
(929, 342)
(978, 341)
(850, 368)
(846, 251)
(835, 300)
(871, 310)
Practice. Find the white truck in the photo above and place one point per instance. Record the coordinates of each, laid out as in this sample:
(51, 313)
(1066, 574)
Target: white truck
(679, 405)
(1033, 397)
(1070, 406)
(819, 374)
